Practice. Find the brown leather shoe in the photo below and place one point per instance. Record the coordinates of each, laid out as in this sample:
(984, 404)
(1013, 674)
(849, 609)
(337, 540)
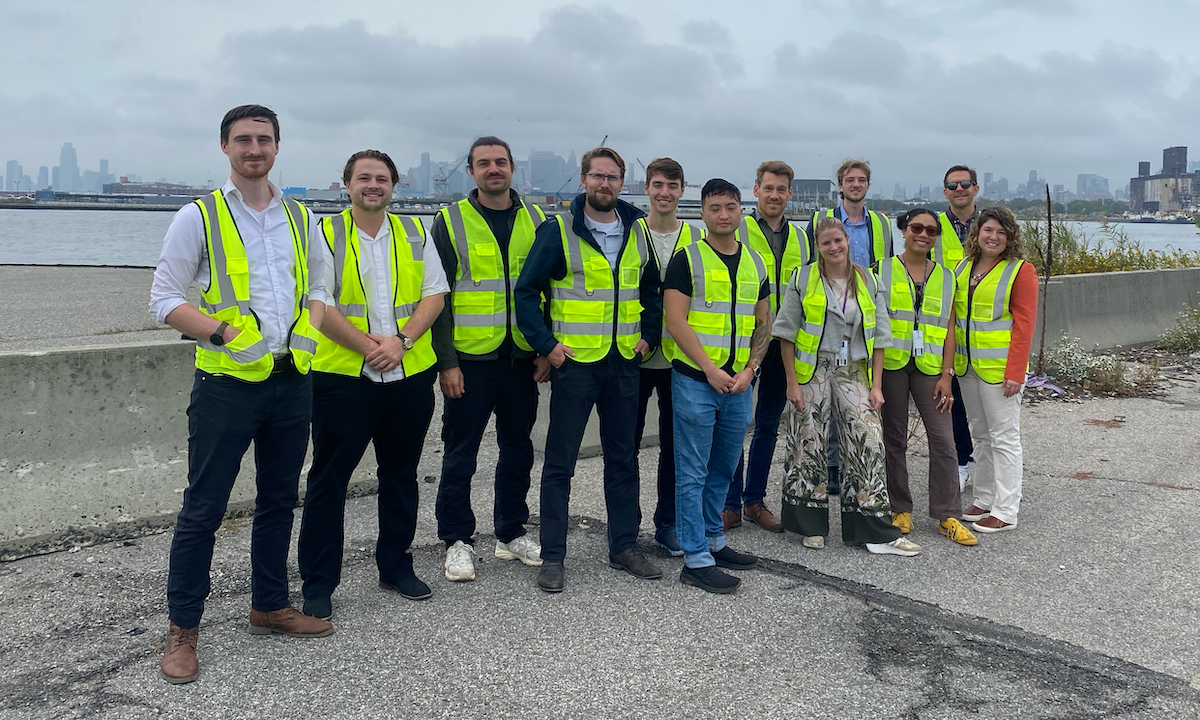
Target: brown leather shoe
(762, 517)
(288, 621)
(179, 664)
(731, 518)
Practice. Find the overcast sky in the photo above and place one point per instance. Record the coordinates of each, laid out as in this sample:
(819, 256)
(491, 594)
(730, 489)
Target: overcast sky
(1006, 86)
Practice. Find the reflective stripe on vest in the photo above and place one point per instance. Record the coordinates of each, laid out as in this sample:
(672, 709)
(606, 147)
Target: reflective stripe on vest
(933, 318)
(481, 301)
(879, 228)
(227, 298)
(595, 305)
(814, 304)
(796, 253)
(349, 292)
(948, 251)
(687, 236)
(984, 332)
(720, 319)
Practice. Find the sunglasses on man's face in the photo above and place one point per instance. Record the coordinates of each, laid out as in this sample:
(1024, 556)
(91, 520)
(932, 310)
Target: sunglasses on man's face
(964, 184)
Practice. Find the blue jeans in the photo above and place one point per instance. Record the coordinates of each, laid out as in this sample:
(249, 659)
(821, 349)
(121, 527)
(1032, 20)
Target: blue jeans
(709, 428)
(772, 396)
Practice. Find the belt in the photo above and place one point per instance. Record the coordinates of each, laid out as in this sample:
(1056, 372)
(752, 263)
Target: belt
(284, 364)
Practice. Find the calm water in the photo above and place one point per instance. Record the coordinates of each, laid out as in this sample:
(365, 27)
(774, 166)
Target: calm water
(108, 237)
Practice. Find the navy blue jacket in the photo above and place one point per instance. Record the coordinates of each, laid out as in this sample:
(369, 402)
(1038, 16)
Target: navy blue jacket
(546, 262)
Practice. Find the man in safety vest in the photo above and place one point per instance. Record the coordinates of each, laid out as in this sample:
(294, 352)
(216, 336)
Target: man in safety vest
(783, 247)
(960, 186)
(594, 266)
(373, 379)
(717, 302)
(668, 234)
(870, 235)
(485, 364)
(261, 303)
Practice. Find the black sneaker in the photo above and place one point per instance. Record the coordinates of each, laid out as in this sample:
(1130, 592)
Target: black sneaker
(727, 557)
(710, 579)
(550, 577)
(835, 481)
(634, 563)
(409, 587)
(318, 607)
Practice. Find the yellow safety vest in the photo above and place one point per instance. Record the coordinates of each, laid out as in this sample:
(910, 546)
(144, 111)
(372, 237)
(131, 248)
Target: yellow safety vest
(723, 323)
(227, 298)
(814, 302)
(795, 254)
(687, 236)
(407, 273)
(879, 228)
(933, 318)
(985, 333)
(948, 251)
(595, 305)
(481, 303)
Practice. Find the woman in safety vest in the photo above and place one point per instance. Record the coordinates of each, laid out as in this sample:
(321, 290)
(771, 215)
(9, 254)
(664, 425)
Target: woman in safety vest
(996, 308)
(920, 303)
(833, 328)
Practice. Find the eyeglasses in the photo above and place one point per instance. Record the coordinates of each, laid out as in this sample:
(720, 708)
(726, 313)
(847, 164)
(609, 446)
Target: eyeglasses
(930, 230)
(602, 178)
(964, 184)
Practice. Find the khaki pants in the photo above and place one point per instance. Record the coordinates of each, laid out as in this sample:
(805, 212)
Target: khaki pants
(996, 429)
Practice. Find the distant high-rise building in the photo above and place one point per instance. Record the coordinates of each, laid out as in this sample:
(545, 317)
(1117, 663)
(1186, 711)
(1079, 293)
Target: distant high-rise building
(1174, 161)
(68, 169)
(547, 169)
(425, 176)
(27, 183)
(1091, 187)
(1144, 168)
(43, 178)
(1194, 166)
(899, 192)
(987, 183)
(12, 176)
(56, 178)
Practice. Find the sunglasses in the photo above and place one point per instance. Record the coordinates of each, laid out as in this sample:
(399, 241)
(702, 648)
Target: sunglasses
(930, 230)
(964, 184)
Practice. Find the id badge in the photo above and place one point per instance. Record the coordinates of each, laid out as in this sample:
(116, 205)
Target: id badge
(918, 343)
(843, 355)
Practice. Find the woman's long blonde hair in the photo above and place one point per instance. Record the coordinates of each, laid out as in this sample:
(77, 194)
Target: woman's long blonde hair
(832, 223)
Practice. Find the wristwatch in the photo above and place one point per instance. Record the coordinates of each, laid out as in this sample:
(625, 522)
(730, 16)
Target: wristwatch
(757, 370)
(406, 341)
(218, 336)
(948, 370)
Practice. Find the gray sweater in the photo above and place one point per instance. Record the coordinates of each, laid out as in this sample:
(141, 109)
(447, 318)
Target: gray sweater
(837, 323)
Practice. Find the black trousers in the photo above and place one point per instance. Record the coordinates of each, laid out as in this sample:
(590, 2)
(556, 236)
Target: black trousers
(962, 429)
(224, 415)
(611, 386)
(504, 386)
(659, 381)
(348, 413)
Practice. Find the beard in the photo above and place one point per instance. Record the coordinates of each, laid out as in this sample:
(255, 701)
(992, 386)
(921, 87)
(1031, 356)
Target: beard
(495, 192)
(600, 204)
(254, 172)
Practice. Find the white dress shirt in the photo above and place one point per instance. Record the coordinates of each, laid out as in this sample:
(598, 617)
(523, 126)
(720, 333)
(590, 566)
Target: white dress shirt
(269, 253)
(375, 269)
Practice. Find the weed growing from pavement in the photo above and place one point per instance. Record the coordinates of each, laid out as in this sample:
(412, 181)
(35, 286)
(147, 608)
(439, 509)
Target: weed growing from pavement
(1101, 373)
(1185, 336)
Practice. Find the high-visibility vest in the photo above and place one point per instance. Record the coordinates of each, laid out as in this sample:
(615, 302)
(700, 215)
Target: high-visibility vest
(985, 331)
(796, 253)
(933, 318)
(227, 298)
(948, 251)
(482, 303)
(723, 322)
(814, 302)
(687, 236)
(407, 273)
(879, 229)
(595, 305)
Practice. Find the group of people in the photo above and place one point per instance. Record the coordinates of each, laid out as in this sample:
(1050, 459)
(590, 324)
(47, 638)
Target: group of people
(342, 324)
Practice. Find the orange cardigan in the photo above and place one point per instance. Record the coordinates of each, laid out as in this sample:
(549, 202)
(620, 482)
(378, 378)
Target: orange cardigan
(1023, 306)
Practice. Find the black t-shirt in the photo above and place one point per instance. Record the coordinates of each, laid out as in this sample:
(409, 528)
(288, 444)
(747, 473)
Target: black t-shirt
(679, 277)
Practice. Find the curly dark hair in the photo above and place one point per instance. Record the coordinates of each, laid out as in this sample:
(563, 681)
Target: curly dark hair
(1004, 216)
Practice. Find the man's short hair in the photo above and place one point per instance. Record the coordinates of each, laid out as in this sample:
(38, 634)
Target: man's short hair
(585, 162)
(488, 141)
(666, 167)
(348, 171)
(719, 187)
(961, 168)
(853, 164)
(242, 112)
(775, 167)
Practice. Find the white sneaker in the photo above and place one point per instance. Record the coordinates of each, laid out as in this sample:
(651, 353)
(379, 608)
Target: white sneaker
(816, 542)
(522, 548)
(900, 546)
(459, 565)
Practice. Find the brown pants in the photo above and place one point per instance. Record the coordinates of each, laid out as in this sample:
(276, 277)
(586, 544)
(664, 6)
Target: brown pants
(945, 499)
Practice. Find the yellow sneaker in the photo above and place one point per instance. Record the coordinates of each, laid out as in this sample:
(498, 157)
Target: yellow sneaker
(903, 521)
(956, 531)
